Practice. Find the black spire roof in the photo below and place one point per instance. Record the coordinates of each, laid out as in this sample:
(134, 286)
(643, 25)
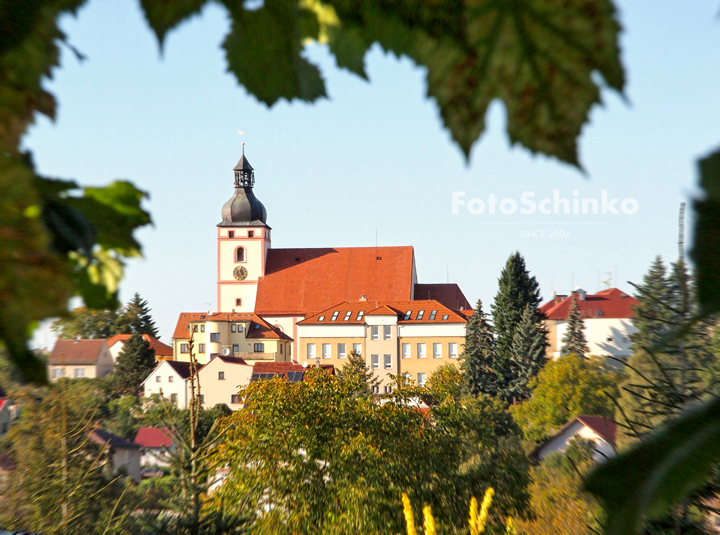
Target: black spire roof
(243, 209)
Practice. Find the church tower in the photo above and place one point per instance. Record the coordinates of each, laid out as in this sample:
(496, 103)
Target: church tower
(243, 242)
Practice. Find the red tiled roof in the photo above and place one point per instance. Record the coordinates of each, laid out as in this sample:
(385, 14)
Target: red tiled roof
(3, 401)
(232, 360)
(611, 303)
(304, 281)
(72, 352)
(604, 427)
(265, 330)
(396, 308)
(161, 350)
(449, 295)
(153, 437)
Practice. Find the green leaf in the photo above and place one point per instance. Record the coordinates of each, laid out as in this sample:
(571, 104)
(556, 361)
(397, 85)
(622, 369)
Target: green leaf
(164, 15)
(263, 51)
(658, 473)
(706, 251)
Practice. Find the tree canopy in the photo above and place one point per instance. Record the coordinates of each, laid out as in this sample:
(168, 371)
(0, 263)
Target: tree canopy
(574, 341)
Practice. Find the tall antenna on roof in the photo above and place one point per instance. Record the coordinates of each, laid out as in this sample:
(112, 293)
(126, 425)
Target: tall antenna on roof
(681, 232)
(447, 268)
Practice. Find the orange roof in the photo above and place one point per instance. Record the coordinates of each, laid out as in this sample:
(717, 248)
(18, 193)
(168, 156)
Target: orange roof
(401, 309)
(304, 281)
(73, 352)
(161, 350)
(258, 328)
(610, 303)
(449, 295)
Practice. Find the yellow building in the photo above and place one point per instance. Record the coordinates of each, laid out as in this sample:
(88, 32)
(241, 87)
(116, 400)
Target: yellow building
(412, 338)
(235, 334)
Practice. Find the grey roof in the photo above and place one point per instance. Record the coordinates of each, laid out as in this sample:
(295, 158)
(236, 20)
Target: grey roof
(182, 368)
(106, 437)
(242, 209)
(243, 164)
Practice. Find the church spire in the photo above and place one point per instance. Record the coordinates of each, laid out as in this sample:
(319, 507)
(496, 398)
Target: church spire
(244, 173)
(243, 208)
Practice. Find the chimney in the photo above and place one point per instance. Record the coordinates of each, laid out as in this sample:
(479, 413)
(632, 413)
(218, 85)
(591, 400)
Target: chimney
(559, 298)
(363, 297)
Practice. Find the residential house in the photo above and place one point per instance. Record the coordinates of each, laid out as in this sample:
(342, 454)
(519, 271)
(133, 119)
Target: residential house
(412, 338)
(155, 446)
(607, 317)
(125, 453)
(7, 415)
(241, 335)
(597, 429)
(79, 358)
(285, 286)
(170, 379)
(220, 380)
(117, 343)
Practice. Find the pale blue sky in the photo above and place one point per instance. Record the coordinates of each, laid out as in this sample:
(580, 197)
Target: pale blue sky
(374, 156)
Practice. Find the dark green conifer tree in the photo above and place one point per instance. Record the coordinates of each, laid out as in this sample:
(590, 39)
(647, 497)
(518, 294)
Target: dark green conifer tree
(135, 318)
(134, 364)
(479, 358)
(516, 291)
(528, 354)
(653, 314)
(574, 341)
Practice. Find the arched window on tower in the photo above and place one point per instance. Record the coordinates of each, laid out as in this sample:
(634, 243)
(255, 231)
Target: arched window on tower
(240, 254)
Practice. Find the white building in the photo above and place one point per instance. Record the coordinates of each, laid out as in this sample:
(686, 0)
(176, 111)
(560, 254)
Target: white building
(596, 429)
(155, 446)
(607, 317)
(79, 358)
(117, 342)
(170, 379)
(220, 380)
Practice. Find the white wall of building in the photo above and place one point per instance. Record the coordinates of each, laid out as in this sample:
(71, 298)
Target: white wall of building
(166, 381)
(605, 336)
(560, 443)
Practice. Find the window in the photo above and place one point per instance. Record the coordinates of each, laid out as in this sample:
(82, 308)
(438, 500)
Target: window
(388, 389)
(388, 361)
(239, 327)
(453, 350)
(609, 339)
(387, 332)
(421, 351)
(420, 315)
(158, 378)
(202, 328)
(408, 314)
(374, 361)
(233, 328)
(236, 349)
(260, 348)
(195, 328)
(184, 348)
(360, 315)
(171, 378)
(421, 379)
(221, 376)
(79, 372)
(437, 351)
(57, 372)
(357, 348)
(445, 317)
(321, 318)
(281, 349)
(326, 351)
(231, 234)
(215, 337)
(432, 315)
(235, 399)
(213, 355)
(239, 254)
(238, 302)
(347, 315)
(375, 332)
(311, 351)
(201, 348)
(406, 352)
(375, 389)
(202, 398)
(342, 351)
(251, 233)
(335, 315)
(407, 376)
(173, 398)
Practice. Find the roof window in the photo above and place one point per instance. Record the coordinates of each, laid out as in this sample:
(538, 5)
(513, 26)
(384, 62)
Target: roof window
(445, 316)
(321, 318)
(432, 315)
(257, 326)
(347, 315)
(420, 315)
(335, 315)
(408, 314)
(360, 315)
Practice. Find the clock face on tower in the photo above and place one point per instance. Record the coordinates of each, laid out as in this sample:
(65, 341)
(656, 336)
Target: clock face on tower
(240, 273)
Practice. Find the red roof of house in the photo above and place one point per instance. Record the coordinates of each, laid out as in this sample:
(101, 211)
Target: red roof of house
(304, 281)
(610, 303)
(606, 428)
(3, 401)
(153, 437)
(257, 327)
(161, 350)
(449, 295)
(75, 352)
(400, 309)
